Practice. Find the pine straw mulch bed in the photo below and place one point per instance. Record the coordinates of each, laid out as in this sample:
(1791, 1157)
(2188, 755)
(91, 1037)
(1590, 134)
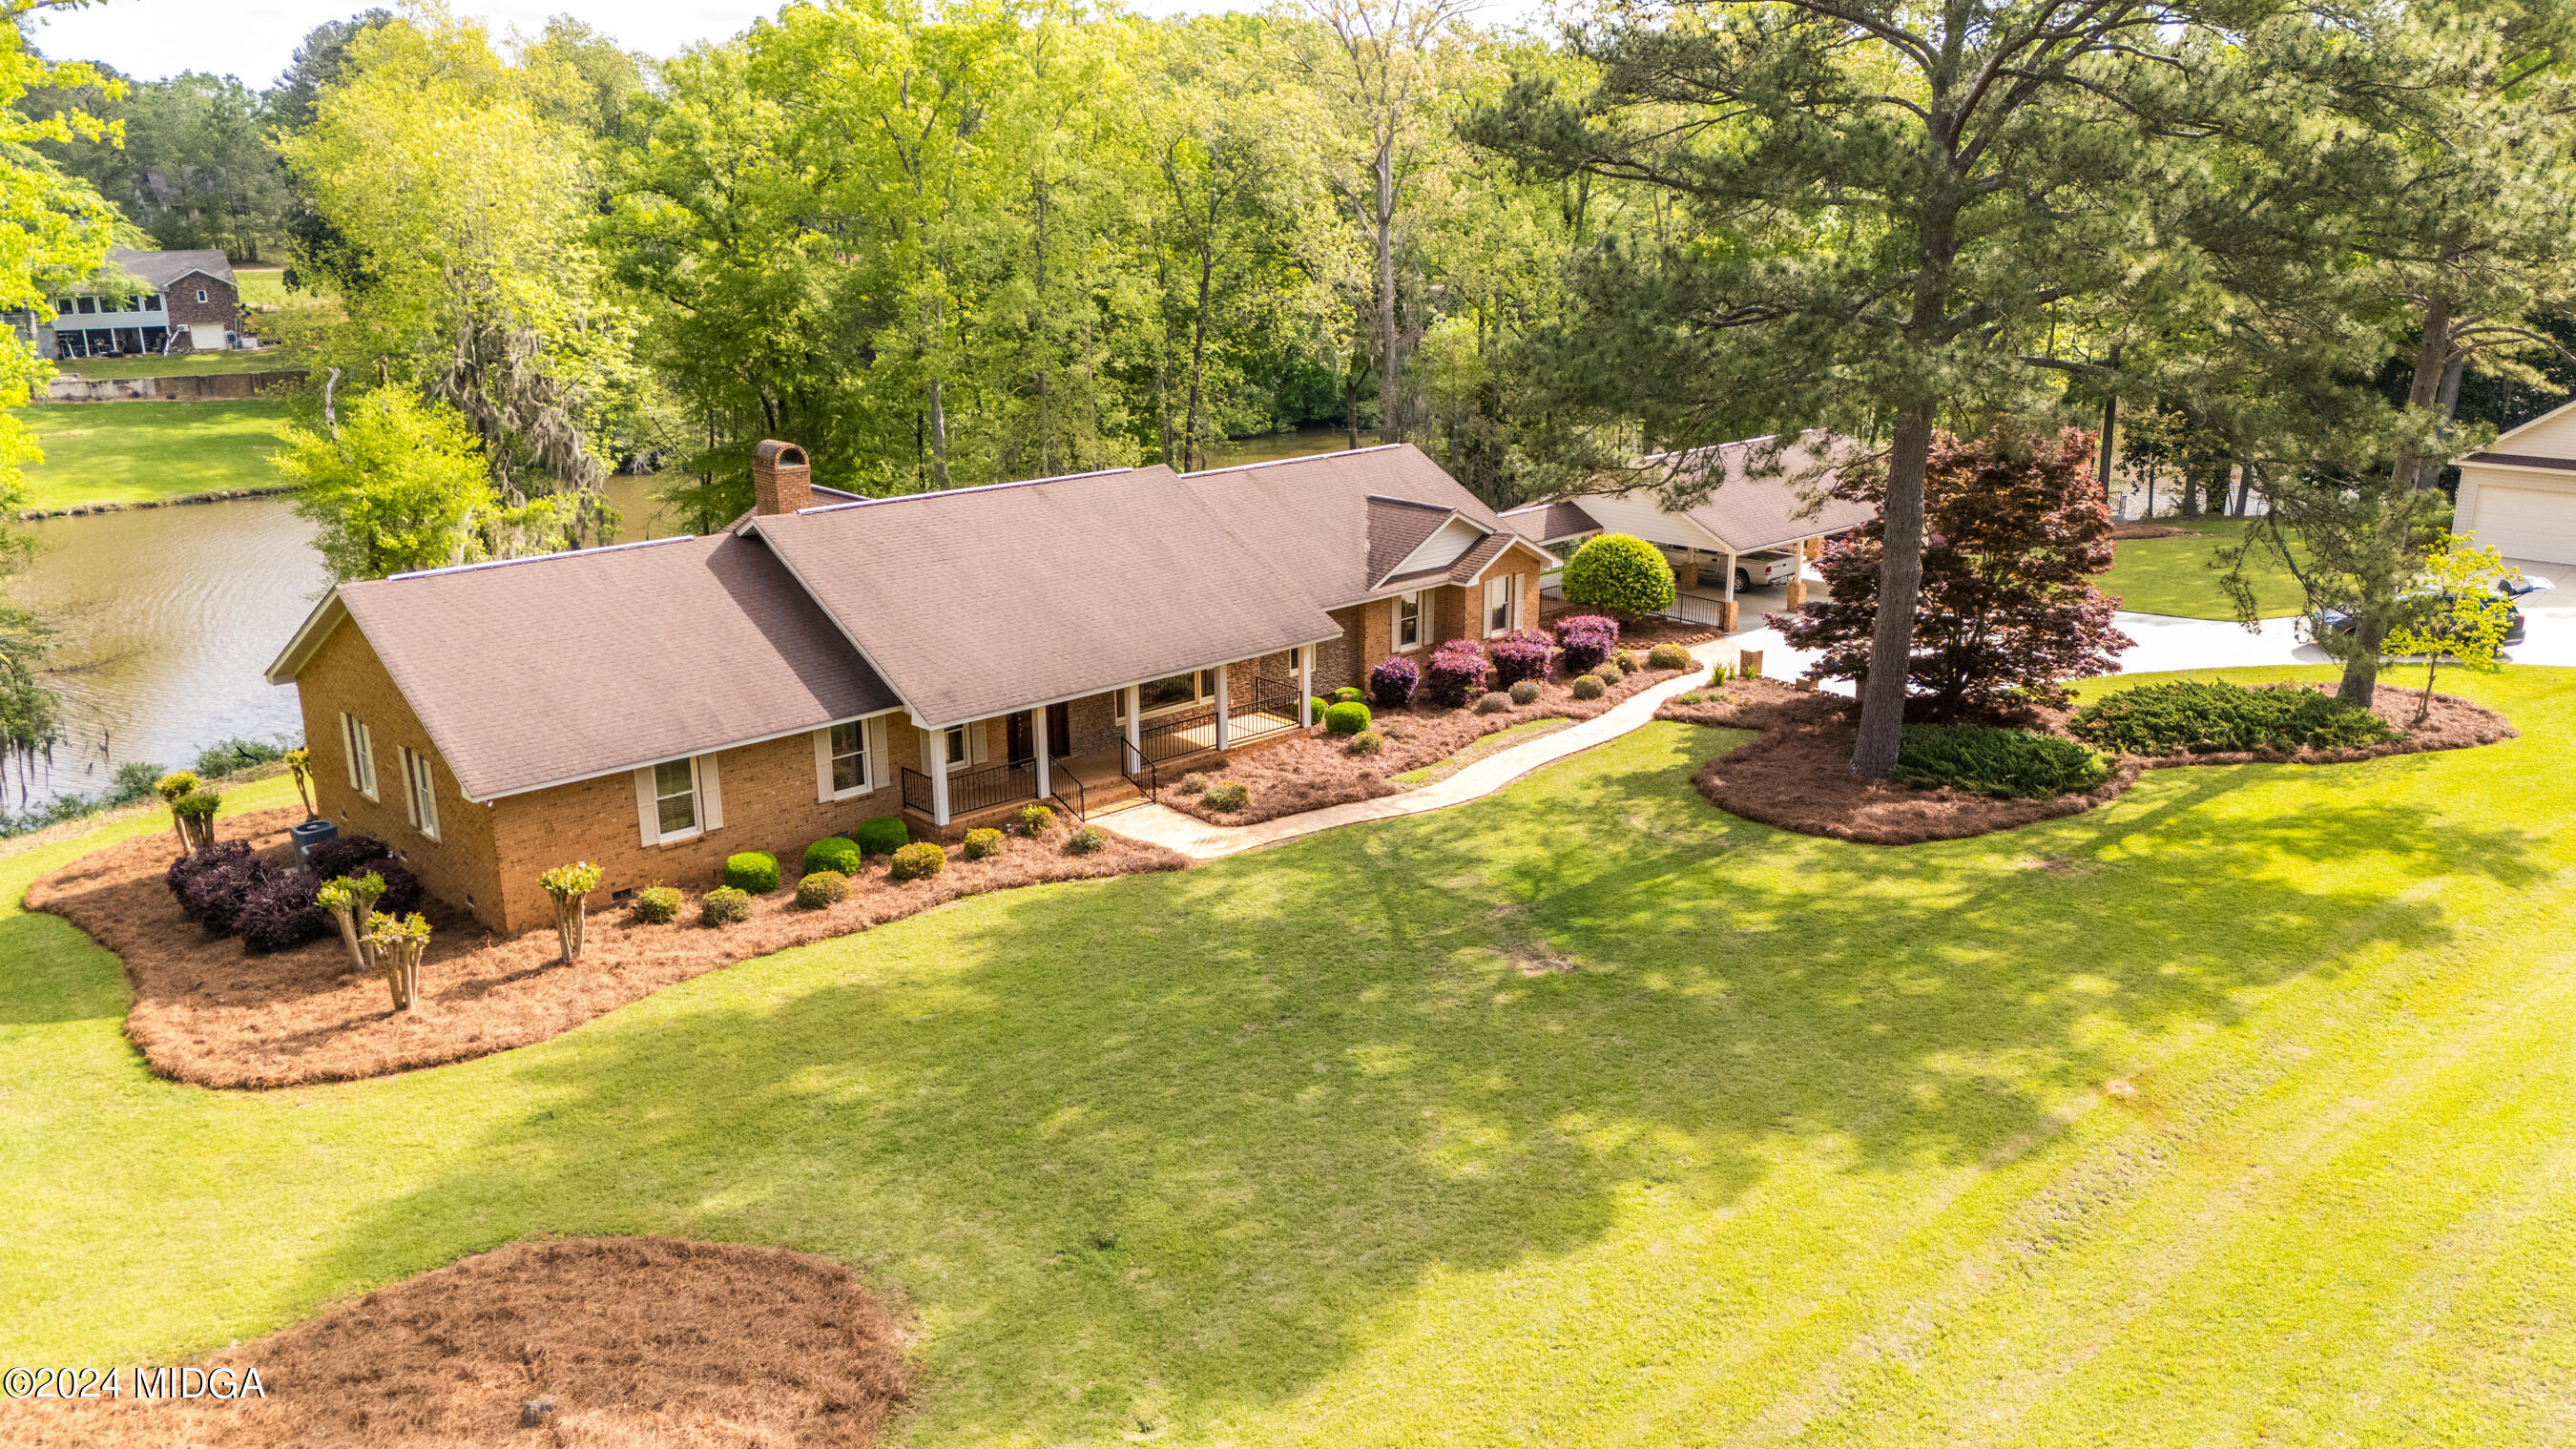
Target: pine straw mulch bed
(2128, 530)
(1311, 771)
(593, 1343)
(207, 1012)
(1796, 775)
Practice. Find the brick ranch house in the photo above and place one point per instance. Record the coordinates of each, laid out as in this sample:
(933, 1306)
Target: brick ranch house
(181, 301)
(951, 656)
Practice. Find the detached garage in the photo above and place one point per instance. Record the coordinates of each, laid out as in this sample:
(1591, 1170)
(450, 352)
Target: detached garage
(2519, 496)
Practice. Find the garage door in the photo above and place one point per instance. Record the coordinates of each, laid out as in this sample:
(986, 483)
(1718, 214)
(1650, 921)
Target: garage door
(2528, 523)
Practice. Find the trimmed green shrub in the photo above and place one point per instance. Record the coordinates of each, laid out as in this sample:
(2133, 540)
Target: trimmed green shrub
(2004, 764)
(1347, 718)
(657, 905)
(1228, 796)
(1630, 661)
(1192, 783)
(1668, 656)
(1621, 573)
(1609, 674)
(754, 871)
(725, 906)
(918, 861)
(1525, 692)
(197, 805)
(822, 888)
(1322, 707)
(1089, 840)
(881, 835)
(1036, 820)
(1367, 742)
(2191, 717)
(1348, 694)
(1587, 686)
(1495, 703)
(983, 843)
(834, 852)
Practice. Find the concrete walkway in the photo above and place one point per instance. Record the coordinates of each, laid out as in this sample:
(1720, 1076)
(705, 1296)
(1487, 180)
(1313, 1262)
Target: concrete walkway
(1197, 839)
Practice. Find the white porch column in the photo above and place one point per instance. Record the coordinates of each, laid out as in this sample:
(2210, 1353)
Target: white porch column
(939, 778)
(1037, 732)
(1135, 706)
(1730, 578)
(1221, 712)
(1305, 686)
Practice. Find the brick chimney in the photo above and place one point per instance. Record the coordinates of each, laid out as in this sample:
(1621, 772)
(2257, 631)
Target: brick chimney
(781, 480)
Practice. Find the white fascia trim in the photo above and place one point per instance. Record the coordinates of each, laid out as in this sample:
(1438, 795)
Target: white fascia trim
(2556, 479)
(2526, 427)
(308, 637)
(1544, 562)
(631, 766)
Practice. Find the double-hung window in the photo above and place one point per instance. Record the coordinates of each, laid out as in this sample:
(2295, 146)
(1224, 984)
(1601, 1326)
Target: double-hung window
(1408, 622)
(201, 294)
(1502, 605)
(960, 749)
(420, 792)
(675, 799)
(848, 754)
(360, 744)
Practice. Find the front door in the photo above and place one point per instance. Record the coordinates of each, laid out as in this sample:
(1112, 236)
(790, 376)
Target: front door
(1020, 739)
(1059, 730)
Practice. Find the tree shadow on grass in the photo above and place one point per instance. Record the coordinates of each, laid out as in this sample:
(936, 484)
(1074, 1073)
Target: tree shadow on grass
(1166, 1148)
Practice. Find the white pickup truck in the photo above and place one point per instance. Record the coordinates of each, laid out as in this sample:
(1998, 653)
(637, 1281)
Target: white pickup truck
(1752, 570)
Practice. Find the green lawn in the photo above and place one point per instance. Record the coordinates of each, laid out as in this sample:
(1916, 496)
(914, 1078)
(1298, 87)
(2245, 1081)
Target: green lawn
(2174, 575)
(185, 364)
(261, 286)
(1813, 1146)
(128, 451)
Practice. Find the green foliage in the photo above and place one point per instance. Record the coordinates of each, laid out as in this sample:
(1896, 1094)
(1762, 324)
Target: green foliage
(1367, 742)
(2005, 764)
(175, 784)
(197, 806)
(1036, 820)
(2204, 717)
(231, 757)
(1525, 691)
(1347, 718)
(981, 844)
(834, 852)
(1086, 841)
(1192, 783)
(393, 492)
(1228, 796)
(1668, 656)
(822, 888)
(918, 861)
(1587, 686)
(1495, 701)
(659, 905)
(886, 834)
(134, 780)
(2459, 615)
(752, 871)
(570, 882)
(1348, 694)
(724, 906)
(1619, 574)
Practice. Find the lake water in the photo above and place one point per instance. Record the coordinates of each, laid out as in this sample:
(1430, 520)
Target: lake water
(169, 618)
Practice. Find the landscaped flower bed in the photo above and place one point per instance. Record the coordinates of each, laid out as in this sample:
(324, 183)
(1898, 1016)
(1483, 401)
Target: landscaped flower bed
(1320, 769)
(207, 1012)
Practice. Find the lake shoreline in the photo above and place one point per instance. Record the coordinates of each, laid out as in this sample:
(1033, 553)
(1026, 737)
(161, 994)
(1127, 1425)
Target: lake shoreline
(113, 505)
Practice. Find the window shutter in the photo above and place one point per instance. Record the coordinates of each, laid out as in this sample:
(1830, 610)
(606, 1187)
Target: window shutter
(823, 765)
(411, 789)
(880, 765)
(648, 818)
(710, 794)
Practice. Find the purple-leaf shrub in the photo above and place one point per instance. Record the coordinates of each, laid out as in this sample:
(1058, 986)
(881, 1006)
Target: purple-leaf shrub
(1457, 671)
(1521, 654)
(343, 854)
(1586, 640)
(280, 913)
(213, 895)
(1392, 683)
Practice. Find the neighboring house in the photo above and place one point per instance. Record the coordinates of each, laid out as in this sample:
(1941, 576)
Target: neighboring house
(949, 656)
(189, 303)
(2519, 496)
(1756, 529)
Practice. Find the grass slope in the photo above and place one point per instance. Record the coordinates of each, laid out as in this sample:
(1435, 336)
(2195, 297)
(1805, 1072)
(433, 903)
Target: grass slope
(125, 452)
(1812, 1146)
(185, 364)
(2174, 576)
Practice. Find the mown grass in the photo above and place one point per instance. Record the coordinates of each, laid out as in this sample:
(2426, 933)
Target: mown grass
(184, 364)
(1814, 1142)
(2177, 576)
(126, 452)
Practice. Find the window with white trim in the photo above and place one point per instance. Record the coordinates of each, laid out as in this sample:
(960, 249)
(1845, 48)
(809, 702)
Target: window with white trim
(1408, 622)
(961, 748)
(675, 799)
(420, 792)
(359, 744)
(201, 294)
(1502, 605)
(842, 755)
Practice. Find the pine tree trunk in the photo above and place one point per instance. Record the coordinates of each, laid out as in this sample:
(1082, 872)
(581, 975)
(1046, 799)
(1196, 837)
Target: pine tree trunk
(1900, 587)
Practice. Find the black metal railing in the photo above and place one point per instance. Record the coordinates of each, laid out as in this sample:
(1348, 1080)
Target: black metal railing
(1138, 767)
(1061, 781)
(971, 790)
(1270, 712)
(1269, 708)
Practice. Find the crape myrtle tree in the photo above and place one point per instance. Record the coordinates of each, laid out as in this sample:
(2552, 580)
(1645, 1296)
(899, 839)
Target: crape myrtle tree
(2015, 530)
(1875, 205)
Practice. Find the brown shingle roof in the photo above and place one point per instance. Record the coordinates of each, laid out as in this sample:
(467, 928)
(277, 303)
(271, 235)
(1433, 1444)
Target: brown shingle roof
(1311, 516)
(1398, 526)
(578, 664)
(1747, 510)
(1548, 522)
(975, 601)
(163, 268)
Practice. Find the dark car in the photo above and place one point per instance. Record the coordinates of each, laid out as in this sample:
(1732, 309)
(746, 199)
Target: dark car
(2335, 621)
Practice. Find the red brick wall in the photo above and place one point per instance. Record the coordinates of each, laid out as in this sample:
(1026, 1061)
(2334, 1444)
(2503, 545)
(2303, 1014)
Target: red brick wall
(222, 304)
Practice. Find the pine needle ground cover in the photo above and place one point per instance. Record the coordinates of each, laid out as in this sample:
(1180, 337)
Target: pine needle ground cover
(2240, 1110)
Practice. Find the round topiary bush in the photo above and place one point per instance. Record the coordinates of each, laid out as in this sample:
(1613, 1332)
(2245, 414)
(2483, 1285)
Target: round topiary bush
(822, 888)
(1584, 640)
(1321, 704)
(834, 852)
(1668, 656)
(1457, 671)
(1630, 661)
(1347, 718)
(1587, 686)
(725, 906)
(1609, 675)
(918, 861)
(1367, 742)
(981, 844)
(1348, 694)
(1518, 656)
(1621, 573)
(1228, 796)
(1192, 783)
(1496, 703)
(752, 871)
(1525, 692)
(1392, 683)
(1036, 820)
(657, 905)
(881, 835)
(1088, 840)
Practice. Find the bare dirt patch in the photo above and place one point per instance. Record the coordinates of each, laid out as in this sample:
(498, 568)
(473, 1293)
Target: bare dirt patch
(207, 1012)
(603, 1343)
(1796, 775)
(1312, 771)
(2148, 530)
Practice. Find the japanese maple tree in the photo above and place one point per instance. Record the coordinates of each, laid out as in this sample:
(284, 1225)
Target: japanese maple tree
(2014, 532)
